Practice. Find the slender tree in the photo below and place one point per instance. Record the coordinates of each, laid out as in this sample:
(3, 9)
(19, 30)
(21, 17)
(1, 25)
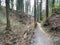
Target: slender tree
(17, 4)
(50, 7)
(12, 4)
(47, 9)
(37, 11)
(7, 15)
(0, 4)
(35, 19)
(27, 6)
(20, 5)
(59, 3)
(41, 10)
(53, 5)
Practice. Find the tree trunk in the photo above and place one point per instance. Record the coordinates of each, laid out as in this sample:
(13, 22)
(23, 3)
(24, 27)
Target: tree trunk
(20, 6)
(0, 4)
(53, 4)
(12, 1)
(47, 9)
(27, 6)
(59, 3)
(7, 15)
(37, 12)
(35, 19)
(41, 10)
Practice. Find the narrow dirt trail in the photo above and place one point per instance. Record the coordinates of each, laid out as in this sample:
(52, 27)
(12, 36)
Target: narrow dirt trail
(39, 37)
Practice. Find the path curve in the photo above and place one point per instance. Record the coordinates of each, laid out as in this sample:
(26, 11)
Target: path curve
(39, 37)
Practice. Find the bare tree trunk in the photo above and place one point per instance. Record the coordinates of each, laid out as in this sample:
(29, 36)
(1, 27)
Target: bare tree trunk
(53, 2)
(47, 9)
(41, 10)
(20, 6)
(59, 3)
(7, 15)
(37, 12)
(35, 19)
(12, 1)
(0, 4)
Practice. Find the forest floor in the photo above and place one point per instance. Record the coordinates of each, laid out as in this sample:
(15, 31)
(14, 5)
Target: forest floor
(52, 27)
(21, 29)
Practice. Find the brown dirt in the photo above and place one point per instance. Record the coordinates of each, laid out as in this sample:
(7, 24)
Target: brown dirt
(53, 22)
(53, 25)
(19, 25)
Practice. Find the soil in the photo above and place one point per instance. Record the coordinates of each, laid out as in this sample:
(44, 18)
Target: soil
(53, 25)
(22, 27)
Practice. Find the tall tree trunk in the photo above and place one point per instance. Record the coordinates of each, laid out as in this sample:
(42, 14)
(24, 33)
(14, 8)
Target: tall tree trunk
(12, 1)
(35, 19)
(47, 9)
(37, 11)
(7, 15)
(0, 4)
(20, 6)
(53, 5)
(41, 10)
(27, 6)
(59, 3)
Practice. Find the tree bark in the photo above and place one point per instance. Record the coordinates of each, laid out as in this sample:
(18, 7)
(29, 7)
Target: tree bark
(41, 10)
(35, 19)
(12, 1)
(0, 4)
(20, 6)
(53, 5)
(7, 15)
(47, 9)
(37, 12)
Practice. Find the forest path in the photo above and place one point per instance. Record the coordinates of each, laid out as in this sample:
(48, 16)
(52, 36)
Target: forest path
(39, 37)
